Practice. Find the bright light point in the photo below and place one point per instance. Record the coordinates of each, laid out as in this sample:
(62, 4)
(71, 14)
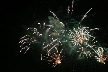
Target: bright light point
(58, 61)
(38, 23)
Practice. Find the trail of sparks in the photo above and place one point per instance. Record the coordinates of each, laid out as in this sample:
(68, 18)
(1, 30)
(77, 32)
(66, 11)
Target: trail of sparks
(54, 15)
(72, 6)
(68, 10)
(85, 15)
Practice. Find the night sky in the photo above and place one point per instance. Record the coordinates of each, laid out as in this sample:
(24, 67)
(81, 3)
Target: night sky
(17, 15)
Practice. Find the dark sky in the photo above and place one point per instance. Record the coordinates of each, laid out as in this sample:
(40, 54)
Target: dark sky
(16, 14)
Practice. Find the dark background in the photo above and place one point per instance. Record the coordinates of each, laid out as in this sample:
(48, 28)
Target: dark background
(17, 14)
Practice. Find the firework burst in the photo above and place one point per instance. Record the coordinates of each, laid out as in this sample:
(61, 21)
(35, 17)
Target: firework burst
(100, 55)
(53, 56)
(54, 36)
(28, 40)
(80, 35)
(50, 38)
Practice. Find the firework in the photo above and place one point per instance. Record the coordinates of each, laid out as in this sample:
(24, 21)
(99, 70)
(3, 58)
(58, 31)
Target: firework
(85, 15)
(50, 38)
(100, 55)
(54, 35)
(81, 35)
(53, 56)
(28, 40)
(68, 10)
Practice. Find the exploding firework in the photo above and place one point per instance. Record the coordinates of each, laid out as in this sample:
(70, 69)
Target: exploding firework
(28, 40)
(53, 56)
(50, 38)
(100, 55)
(81, 35)
(54, 36)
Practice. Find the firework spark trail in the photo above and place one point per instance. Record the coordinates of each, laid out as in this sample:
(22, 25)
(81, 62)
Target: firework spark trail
(85, 15)
(68, 10)
(72, 6)
(54, 15)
